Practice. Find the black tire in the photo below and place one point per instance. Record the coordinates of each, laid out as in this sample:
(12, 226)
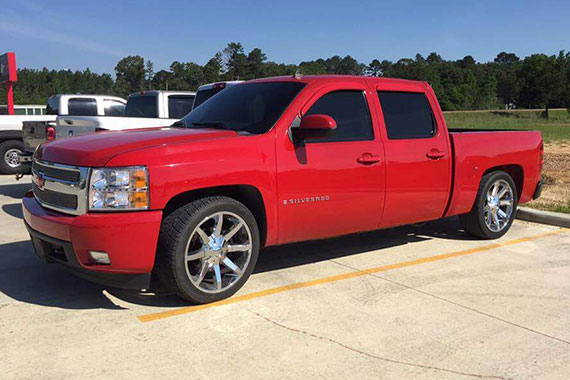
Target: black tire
(175, 232)
(474, 222)
(6, 148)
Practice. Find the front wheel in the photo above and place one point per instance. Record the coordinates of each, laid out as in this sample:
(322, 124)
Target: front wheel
(495, 207)
(208, 249)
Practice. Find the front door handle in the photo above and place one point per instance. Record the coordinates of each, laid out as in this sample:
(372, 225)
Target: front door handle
(368, 159)
(435, 154)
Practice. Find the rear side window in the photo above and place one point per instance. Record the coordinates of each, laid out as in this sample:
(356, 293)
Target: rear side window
(407, 115)
(113, 108)
(179, 105)
(205, 94)
(52, 106)
(350, 111)
(82, 107)
(142, 106)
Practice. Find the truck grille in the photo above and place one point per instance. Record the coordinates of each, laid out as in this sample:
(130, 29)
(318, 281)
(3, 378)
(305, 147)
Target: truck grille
(55, 199)
(60, 187)
(56, 173)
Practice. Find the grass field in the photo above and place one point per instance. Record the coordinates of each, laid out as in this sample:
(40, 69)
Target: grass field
(556, 134)
(555, 129)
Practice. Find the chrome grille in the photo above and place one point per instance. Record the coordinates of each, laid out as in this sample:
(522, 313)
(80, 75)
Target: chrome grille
(66, 201)
(60, 187)
(55, 172)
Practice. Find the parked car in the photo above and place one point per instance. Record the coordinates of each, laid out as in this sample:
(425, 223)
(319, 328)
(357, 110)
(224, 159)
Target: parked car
(14, 128)
(145, 109)
(206, 91)
(269, 162)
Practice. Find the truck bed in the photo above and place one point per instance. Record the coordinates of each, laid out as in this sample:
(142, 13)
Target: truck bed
(477, 151)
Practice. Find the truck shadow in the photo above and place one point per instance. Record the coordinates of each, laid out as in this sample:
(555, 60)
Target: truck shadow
(25, 278)
(291, 255)
(13, 209)
(15, 190)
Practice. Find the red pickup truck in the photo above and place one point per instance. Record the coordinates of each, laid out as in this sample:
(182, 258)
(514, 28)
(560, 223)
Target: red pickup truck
(269, 162)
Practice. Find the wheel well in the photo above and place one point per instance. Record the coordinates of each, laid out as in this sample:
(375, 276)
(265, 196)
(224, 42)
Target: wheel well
(246, 194)
(516, 173)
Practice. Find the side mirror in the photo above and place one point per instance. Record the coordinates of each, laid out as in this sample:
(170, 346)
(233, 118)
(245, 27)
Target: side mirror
(314, 127)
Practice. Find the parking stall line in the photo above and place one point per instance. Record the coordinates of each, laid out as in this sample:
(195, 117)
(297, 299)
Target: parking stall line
(344, 276)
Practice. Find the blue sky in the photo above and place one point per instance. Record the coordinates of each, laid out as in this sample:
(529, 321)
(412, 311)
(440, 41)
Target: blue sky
(96, 34)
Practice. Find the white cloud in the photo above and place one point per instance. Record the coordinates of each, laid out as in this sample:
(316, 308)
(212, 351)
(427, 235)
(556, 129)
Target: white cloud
(44, 34)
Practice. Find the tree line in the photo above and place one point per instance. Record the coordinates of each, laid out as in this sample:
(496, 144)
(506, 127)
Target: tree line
(536, 81)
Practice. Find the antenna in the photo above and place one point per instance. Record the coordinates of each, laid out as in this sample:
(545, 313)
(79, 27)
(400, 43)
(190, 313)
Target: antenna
(298, 74)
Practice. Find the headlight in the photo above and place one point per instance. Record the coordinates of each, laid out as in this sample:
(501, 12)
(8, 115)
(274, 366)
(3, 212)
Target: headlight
(119, 189)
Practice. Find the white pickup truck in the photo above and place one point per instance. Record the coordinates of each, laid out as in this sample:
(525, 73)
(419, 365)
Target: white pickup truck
(144, 109)
(11, 126)
(34, 131)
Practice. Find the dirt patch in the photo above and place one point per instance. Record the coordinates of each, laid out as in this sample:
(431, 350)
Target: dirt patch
(556, 175)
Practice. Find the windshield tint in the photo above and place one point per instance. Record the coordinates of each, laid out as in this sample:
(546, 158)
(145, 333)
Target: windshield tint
(141, 106)
(251, 107)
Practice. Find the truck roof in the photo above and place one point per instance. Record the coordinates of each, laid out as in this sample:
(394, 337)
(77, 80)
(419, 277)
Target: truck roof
(167, 93)
(55, 96)
(227, 83)
(342, 78)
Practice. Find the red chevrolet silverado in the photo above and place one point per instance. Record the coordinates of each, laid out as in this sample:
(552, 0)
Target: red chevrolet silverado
(269, 162)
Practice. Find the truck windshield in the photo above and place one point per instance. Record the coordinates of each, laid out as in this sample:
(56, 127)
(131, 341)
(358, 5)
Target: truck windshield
(248, 107)
(142, 106)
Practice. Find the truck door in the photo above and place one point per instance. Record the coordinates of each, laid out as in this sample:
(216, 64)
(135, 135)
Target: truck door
(332, 186)
(417, 152)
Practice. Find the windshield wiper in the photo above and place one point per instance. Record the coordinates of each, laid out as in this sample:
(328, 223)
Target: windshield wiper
(210, 124)
(179, 124)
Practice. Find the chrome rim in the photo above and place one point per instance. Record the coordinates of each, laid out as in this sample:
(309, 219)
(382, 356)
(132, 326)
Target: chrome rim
(499, 205)
(218, 252)
(12, 157)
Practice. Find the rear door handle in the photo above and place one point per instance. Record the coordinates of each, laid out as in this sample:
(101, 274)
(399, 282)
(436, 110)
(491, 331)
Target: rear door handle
(435, 154)
(368, 159)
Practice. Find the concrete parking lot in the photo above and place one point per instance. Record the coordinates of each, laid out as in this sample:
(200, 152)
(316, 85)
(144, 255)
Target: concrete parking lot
(421, 302)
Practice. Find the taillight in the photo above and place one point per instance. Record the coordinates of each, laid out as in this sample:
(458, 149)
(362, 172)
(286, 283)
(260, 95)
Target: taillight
(219, 86)
(50, 132)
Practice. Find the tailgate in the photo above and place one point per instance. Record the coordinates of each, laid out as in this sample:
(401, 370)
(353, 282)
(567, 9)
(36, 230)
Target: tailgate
(70, 126)
(33, 134)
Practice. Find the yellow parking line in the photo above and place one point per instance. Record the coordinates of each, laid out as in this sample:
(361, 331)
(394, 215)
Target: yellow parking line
(344, 276)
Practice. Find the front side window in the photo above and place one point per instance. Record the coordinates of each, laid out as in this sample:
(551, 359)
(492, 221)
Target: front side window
(142, 106)
(179, 105)
(113, 108)
(407, 115)
(350, 111)
(82, 107)
(250, 107)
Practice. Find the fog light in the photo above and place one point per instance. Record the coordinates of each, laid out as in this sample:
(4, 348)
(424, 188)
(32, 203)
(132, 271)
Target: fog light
(99, 257)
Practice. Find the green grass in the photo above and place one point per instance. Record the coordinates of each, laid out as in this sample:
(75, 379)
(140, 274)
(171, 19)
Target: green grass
(555, 129)
(556, 207)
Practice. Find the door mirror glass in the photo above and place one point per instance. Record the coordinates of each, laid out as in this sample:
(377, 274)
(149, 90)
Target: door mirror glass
(314, 126)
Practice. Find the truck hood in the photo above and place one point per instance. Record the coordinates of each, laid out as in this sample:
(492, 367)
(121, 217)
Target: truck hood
(98, 148)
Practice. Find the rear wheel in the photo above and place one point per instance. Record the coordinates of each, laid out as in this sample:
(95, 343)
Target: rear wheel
(207, 249)
(10, 156)
(495, 207)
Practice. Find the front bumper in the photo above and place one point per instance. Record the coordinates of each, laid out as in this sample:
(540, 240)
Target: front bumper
(129, 238)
